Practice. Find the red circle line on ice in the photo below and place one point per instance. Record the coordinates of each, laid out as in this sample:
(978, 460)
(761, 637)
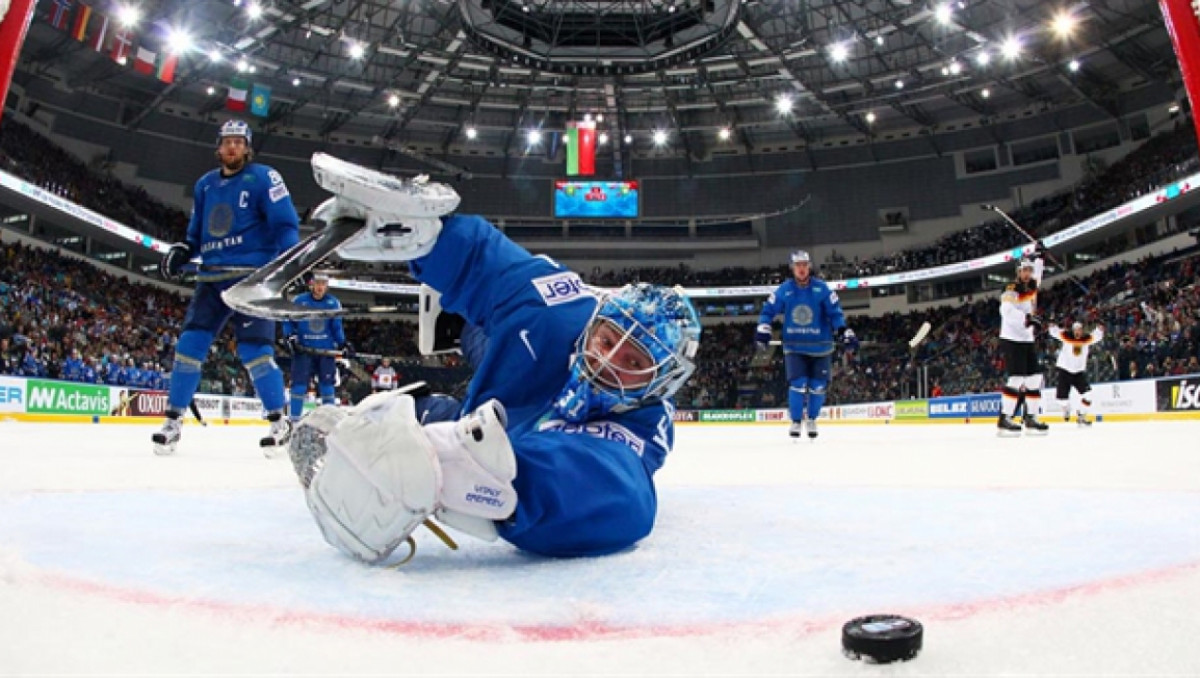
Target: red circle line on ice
(586, 629)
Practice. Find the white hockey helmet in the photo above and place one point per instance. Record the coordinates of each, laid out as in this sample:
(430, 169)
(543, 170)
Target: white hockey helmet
(1025, 263)
(801, 256)
(1076, 326)
(235, 128)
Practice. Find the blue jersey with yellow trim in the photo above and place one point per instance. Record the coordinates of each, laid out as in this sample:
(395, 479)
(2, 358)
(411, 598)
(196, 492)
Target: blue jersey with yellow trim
(322, 333)
(811, 314)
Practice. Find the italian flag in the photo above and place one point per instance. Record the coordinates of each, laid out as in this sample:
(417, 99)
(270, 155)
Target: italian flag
(581, 148)
(238, 92)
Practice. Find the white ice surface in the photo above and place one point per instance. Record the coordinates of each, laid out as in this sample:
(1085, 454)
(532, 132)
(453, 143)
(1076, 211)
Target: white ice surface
(1078, 554)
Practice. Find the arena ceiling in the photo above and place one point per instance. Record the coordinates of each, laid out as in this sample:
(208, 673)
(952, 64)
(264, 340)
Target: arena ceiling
(448, 73)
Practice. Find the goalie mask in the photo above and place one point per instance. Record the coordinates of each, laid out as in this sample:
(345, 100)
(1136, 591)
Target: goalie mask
(637, 350)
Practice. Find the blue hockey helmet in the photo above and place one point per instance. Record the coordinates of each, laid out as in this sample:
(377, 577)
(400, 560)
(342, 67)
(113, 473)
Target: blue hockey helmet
(659, 321)
(801, 257)
(235, 128)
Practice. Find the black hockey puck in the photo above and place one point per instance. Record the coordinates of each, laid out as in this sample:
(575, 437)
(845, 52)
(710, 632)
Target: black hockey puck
(882, 638)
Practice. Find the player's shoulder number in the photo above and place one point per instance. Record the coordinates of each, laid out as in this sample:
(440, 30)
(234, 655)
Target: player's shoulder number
(278, 190)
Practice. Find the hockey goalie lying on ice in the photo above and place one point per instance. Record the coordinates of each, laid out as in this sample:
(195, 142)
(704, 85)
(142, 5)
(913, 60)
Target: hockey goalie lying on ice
(565, 422)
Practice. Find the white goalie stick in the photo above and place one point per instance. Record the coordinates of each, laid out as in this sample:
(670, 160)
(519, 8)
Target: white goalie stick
(263, 294)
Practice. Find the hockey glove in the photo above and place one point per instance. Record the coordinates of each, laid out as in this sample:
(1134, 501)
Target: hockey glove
(1033, 321)
(293, 344)
(348, 350)
(171, 266)
(762, 337)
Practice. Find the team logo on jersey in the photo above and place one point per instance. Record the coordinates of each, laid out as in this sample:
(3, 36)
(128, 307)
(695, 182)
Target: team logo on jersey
(316, 325)
(802, 315)
(1077, 350)
(560, 288)
(220, 220)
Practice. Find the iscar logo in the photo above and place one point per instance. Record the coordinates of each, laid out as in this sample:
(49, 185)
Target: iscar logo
(1185, 396)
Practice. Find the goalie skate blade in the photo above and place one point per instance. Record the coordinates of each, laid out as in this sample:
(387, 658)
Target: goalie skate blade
(261, 294)
(882, 638)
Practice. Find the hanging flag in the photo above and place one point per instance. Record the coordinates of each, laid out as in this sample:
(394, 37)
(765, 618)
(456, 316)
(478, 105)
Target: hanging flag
(59, 9)
(96, 42)
(79, 29)
(260, 100)
(581, 147)
(122, 42)
(166, 66)
(238, 89)
(145, 61)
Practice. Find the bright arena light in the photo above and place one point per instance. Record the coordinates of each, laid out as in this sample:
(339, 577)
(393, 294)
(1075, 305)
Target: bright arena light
(629, 138)
(955, 68)
(178, 41)
(534, 136)
(983, 58)
(295, 82)
(724, 134)
(1011, 49)
(214, 55)
(839, 51)
(128, 15)
(393, 100)
(944, 13)
(254, 10)
(660, 137)
(602, 138)
(1064, 24)
(357, 50)
(783, 104)
(211, 90)
(472, 132)
(1073, 65)
(242, 66)
(870, 117)
(985, 93)
(899, 83)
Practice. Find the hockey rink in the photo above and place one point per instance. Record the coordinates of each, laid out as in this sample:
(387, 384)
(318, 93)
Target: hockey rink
(1077, 553)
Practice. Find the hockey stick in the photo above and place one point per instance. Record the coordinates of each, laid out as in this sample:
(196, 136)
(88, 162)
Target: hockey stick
(262, 293)
(922, 332)
(1050, 255)
(333, 353)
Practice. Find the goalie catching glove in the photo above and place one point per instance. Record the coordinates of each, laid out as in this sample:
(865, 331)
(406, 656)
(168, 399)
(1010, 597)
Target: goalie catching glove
(372, 475)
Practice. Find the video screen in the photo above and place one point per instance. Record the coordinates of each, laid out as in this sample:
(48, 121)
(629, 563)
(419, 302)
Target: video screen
(596, 199)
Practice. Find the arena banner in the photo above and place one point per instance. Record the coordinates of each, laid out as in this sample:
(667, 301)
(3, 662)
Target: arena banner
(210, 406)
(727, 416)
(953, 407)
(137, 403)
(985, 405)
(1179, 394)
(12, 394)
(244, 408)
(685, 415)
(776, 415)
(870, 411)
(1118, 397)
(907, 410)
(64, 397)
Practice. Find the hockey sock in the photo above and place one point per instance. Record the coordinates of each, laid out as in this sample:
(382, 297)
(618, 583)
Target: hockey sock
(796, 397)
(259, 360)
(297, 404)
(816, 398)
(185, 373)
(326, 393)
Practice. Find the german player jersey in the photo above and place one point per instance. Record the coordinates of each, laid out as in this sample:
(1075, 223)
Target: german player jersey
(1074, 353)
(1017, 301)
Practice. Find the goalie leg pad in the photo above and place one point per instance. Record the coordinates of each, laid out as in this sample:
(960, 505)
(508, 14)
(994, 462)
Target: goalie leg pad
(378, 480)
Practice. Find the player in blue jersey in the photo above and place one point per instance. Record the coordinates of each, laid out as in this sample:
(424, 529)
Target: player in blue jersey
(242, 218)
(812, 321)
(321, 334)
(566, 420)
(72, 369)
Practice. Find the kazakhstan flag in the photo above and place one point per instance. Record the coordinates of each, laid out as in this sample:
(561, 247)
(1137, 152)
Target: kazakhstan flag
(260, 100)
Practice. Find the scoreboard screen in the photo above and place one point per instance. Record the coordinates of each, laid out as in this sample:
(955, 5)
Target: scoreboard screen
(596, 199)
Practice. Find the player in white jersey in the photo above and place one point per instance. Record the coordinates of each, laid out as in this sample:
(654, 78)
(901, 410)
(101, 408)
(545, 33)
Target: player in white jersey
(1019, 323)
(384, 377)
(1071, 369)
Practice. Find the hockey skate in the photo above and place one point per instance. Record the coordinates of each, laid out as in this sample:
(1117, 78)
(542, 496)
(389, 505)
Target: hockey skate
(796, 429)
(168, 436)
(1035, 426)
(1082, 420)
(1006, 427)
(276, 442)
(811, 426)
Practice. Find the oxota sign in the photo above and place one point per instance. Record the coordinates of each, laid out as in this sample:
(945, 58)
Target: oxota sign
(60, 397)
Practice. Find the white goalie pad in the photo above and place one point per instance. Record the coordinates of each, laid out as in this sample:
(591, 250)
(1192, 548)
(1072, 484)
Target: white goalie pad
(378, 480)
(402, 216)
